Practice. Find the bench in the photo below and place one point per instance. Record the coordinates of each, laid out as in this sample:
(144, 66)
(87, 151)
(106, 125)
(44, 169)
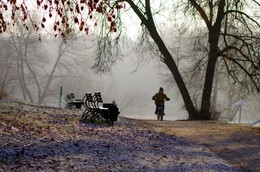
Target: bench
(96, 110)
(89, 112)
(71, 102)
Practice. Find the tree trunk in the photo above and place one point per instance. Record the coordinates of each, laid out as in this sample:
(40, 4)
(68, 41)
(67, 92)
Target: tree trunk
(50, 77)
(168, 59)
(193, 114)
(207, 89)
(205, 109)
(215, 88)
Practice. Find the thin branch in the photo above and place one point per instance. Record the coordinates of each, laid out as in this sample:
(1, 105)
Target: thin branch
(243, 14)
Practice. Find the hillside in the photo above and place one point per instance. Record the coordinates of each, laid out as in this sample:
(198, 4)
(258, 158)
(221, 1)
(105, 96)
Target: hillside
(42, 138)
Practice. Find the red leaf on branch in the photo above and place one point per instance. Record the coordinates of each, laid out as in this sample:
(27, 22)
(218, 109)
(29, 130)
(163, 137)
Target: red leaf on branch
(13, 1)
(55, 28)
(76, 20)
(5, 7)
(45, 7)
(109, 18)
(81, 8)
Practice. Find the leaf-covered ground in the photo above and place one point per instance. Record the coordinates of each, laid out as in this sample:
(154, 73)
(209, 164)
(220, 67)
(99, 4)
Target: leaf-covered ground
(41, 138)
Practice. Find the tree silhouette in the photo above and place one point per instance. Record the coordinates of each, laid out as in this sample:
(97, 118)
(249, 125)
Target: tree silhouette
(26, 64)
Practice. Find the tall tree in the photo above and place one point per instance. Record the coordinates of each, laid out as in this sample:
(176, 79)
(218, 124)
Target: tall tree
(232, 34)
(30, 62)
(226, 21)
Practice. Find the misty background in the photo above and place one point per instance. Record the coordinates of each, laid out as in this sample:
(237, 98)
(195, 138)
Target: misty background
(33, 68)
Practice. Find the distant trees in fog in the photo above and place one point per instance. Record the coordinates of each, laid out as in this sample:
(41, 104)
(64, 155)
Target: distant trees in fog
(35, 69)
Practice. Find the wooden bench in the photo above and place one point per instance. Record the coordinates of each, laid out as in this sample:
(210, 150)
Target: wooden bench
(71, 102)
(96, 110)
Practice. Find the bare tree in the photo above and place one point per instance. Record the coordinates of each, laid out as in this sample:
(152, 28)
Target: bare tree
(240, 48)
(36, 72)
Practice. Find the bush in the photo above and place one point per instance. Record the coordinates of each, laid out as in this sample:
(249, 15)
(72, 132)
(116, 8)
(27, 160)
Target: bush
(2, 94)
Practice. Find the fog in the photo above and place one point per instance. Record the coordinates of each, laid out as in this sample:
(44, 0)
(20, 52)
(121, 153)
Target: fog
(129, 83)
(141, 85)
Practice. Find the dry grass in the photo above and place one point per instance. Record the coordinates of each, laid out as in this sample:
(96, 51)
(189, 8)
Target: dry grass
(239, 144)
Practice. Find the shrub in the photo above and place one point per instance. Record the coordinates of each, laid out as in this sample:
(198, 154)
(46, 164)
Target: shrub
(2, 94)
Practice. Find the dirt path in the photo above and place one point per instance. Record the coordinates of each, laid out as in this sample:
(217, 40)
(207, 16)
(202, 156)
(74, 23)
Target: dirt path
(238, 144)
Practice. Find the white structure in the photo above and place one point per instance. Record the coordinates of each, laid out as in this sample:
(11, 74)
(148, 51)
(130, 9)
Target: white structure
(239, 105)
